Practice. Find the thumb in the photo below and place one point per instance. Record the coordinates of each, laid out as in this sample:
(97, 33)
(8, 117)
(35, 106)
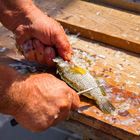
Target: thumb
(63, 46)
(75, 101)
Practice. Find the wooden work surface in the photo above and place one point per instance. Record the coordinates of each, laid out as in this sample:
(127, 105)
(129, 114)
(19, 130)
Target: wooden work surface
(96, 22)
(119, 69)
(124, 126)
(131, 5)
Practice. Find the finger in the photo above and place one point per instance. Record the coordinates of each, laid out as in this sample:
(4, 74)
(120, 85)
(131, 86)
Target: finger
(63, 46)
(73, 103)
(39, 51)
(63, 114)
(49, 56)
(28, 50)
(75, 100)
(22, 33)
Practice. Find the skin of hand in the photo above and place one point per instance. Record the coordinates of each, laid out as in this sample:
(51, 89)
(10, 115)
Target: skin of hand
(41, 100)
(31, 26)
(36, 101)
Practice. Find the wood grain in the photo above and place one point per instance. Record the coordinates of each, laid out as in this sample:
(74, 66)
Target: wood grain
(88, 113)
(97, 125)
(129, 5)
(85, 131)
(105, 66)
(97, 22)
(111, 58)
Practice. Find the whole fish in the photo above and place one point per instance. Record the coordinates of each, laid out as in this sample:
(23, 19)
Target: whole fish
(80, 79)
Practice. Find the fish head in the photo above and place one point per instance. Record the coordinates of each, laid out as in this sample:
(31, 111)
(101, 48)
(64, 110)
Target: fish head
(60, 62)
(71, 67)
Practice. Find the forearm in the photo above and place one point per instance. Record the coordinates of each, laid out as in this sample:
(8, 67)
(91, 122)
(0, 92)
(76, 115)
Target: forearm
(13, 12)
(7, 77)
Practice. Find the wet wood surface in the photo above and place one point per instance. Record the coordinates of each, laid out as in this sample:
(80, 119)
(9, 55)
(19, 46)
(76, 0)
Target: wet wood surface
(109, 61)
(120, 71)
(97, 22)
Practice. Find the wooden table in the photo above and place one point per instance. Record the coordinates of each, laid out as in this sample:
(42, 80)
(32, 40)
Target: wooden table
(119, 68)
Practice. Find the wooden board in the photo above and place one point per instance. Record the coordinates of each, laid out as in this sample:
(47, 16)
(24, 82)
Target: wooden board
(120, 70)
(96, 22)
(85, 131)
(109, 61)
(130, 5)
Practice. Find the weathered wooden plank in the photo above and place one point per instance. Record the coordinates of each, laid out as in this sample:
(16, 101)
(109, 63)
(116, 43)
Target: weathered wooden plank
(103, 128)
(97, 22)
(110, 58)
(123, 4)
(123, 63)
(85, 131)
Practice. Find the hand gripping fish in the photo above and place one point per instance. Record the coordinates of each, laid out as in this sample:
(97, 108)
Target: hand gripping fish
(81, 79)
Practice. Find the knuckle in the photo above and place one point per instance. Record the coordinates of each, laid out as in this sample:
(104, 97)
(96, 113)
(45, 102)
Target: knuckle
(19, 29)
(64, 105)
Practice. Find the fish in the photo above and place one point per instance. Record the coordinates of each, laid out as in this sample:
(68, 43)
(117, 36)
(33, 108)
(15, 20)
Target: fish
(81, 79)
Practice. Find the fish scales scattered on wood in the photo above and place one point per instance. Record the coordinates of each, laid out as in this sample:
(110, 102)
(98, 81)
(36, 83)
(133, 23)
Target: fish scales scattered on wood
(81, 79)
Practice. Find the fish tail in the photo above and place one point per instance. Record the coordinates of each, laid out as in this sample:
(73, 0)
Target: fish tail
(106, 107)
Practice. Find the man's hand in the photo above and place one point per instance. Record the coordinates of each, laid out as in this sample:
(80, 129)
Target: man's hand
(41, 100)
(29, 23)
(37, 101)
(48, 36)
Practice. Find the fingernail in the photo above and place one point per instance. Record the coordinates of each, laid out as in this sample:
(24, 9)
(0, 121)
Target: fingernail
(68, 56)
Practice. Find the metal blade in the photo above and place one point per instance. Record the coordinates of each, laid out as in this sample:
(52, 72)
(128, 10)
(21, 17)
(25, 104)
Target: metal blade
(84, 91)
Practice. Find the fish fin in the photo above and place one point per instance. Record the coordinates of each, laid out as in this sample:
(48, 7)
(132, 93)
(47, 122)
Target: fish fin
(106, 107)
(102, 89)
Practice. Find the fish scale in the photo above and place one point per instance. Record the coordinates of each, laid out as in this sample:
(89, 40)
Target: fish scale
(86, 81)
